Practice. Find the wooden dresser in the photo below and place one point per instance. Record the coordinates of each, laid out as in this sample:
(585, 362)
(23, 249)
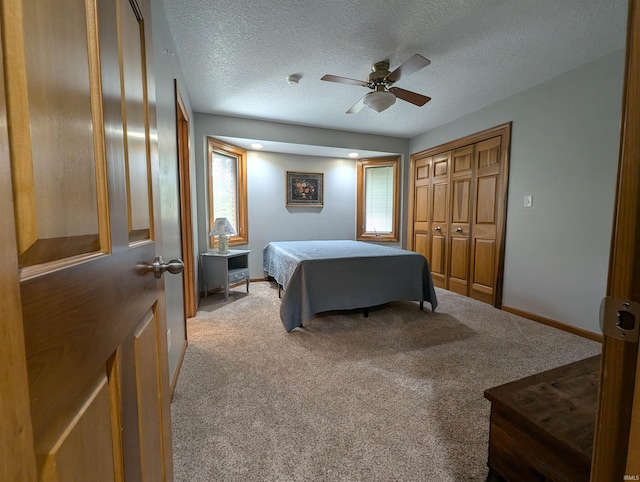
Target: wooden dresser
(542, 426)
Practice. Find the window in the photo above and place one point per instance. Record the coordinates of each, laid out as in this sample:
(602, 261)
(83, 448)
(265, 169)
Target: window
(228, 189)
(378, 199)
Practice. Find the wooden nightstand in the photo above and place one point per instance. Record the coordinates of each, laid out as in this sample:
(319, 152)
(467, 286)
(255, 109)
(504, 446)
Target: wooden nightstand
(222, 270)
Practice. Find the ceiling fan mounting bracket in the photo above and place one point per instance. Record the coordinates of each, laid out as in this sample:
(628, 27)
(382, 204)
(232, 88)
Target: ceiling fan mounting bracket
(379, 72)
(382, 65)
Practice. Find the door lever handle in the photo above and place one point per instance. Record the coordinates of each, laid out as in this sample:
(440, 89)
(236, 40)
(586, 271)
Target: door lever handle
(159, 266)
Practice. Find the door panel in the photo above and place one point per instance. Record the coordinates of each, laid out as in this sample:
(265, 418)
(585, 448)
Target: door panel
(458, 266)
(422, 169)
(484, 255)
(56, 163)
(80, 146)
(440, 203)
(148, 387)
(89, 432)
(421, 244)
(461, 196)
(439, 218)
(441, 166)
(483, 266)
(437, 259)
(486, 200)
(135, 117)
(460, 226)
(462, 161)
(419, 234)
(421, 218)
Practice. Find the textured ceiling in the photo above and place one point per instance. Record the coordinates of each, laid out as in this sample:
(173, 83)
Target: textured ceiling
(236, 55)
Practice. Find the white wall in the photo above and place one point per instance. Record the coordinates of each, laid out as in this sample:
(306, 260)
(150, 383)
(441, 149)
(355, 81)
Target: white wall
(271, 220)
(564, 152)
(335, 220)
(166, 69)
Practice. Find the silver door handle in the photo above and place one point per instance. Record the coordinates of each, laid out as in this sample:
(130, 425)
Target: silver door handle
(159, 266)
(458, 230)
(438, 228)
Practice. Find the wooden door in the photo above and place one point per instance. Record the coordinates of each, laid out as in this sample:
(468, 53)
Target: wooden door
(439, 218)
(83, 173)
(186, 225)
(484, 247)
(17, 458)
(616, 448)
(421, 183)
(460, 222)
(458, 209)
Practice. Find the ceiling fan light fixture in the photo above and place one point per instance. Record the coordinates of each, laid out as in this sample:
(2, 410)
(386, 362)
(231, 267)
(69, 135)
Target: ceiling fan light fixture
(379, 100)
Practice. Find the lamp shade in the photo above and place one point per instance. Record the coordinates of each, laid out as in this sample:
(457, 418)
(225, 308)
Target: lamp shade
(222, 226)
(379, 100)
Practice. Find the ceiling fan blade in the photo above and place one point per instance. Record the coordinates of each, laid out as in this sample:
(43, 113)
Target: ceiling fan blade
(411, 97)
(343, 80)
(356, 107)
(411, 65)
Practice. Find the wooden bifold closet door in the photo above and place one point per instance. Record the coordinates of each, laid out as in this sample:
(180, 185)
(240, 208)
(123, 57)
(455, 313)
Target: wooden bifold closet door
(457, 212)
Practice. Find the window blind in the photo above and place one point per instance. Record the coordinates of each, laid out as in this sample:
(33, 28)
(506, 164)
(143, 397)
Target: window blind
(379, 199)
(224, 173)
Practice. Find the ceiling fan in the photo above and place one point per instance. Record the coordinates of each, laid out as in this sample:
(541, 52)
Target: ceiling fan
(381, 82)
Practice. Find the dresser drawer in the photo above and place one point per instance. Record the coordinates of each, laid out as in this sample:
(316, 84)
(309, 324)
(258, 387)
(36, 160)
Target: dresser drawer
(237, 275)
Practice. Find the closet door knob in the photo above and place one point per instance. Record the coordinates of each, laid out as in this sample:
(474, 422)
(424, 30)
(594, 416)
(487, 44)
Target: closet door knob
(438, 228)
(458, 230)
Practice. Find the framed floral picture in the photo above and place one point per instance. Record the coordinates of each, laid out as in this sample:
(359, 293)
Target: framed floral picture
(305, 189)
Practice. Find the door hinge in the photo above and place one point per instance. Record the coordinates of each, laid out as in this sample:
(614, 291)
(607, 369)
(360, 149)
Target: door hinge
(620, 319)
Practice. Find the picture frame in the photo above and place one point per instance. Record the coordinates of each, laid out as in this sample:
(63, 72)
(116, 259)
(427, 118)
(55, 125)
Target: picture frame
(305, 189)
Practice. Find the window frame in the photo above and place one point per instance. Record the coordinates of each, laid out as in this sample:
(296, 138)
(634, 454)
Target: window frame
(361, 234)
(240, 154)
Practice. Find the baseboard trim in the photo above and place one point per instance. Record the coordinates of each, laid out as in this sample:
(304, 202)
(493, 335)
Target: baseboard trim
(174, 379)
(555, 324)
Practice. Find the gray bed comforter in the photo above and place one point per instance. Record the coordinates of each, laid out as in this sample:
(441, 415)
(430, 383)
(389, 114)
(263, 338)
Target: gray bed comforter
(321, 276)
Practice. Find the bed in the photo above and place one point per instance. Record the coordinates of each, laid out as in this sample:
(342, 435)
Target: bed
(322, 276)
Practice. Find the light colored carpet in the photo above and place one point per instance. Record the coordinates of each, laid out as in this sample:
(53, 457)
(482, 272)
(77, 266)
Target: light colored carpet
(397, 396)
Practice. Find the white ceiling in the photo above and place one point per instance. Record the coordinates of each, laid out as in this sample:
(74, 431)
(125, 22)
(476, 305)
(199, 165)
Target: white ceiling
(236, 54)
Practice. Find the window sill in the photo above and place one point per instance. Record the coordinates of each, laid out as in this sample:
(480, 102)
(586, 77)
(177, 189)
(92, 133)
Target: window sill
(378, 238)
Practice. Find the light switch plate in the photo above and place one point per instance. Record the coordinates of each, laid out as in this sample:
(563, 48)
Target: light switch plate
(528, 201)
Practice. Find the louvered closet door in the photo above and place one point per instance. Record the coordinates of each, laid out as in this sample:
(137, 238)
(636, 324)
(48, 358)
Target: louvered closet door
(83, 180)
(486, 212)
(439, 218)
(458, 260)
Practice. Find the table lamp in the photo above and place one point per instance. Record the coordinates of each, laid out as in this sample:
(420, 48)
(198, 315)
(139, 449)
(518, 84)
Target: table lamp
(223, 229)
